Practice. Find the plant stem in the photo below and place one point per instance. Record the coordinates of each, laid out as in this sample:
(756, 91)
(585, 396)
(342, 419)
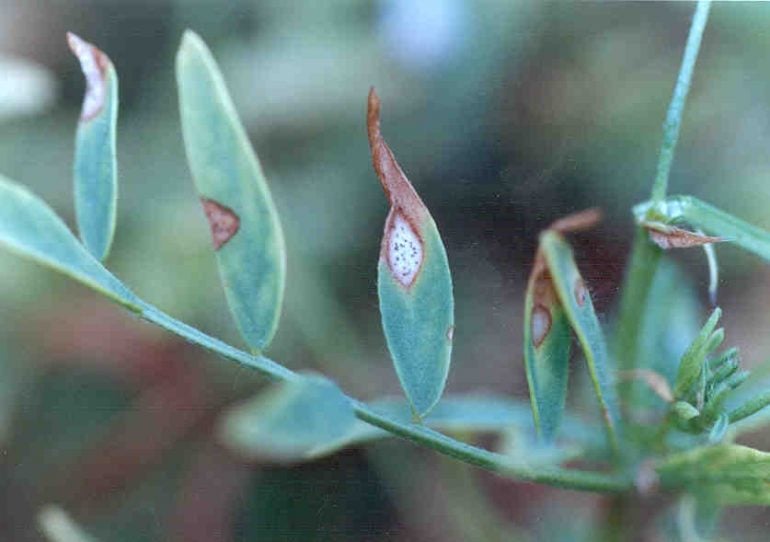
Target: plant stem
(645, 256)
(678, 100)
(570, 479)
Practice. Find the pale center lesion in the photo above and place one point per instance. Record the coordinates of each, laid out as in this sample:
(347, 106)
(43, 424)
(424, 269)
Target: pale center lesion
(404, 250)
(93, 64)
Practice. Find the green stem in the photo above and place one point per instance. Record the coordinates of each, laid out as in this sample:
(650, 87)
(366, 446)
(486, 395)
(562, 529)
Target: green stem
(641, 272)
(645, 256)
(678, 100)
(570, 479)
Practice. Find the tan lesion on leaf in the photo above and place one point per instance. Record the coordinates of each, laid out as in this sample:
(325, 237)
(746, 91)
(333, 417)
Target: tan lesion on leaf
(95, 65)
(544, 298)
(580, 292)
(223, 221)
(541, 285)
(402, 246)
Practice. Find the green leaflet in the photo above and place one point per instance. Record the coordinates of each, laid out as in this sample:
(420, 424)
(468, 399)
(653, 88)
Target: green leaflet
(461, 413)
(244, 223)
(691, 366)
(57, 526)
(96, 185)
(547, 343)
(732, 474)
(747, 404)
(414, 283)
(290, 420)
(713, 221)
(579, 308)
(29, 227)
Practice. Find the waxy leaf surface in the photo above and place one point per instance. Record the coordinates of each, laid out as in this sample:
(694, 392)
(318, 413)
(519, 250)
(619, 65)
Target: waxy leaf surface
(414, 282)
(96, 185)
(547, 343)
(579, 308)
(245, 230)
(29, 227)
(290, 420)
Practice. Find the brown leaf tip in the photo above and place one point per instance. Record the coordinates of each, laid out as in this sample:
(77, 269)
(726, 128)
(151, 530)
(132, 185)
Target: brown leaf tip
(403, 249)
(397, 187)
(580, 221)
(668, 237)
(540, 324)
(94, 64)
(223, 221)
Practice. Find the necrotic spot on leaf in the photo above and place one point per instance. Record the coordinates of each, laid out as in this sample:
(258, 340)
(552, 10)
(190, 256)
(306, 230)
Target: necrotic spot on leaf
(580, 292)
(668, 237)
(404, 250)
(450, 333)
(94, 64)
(540, 323)
(223, 221)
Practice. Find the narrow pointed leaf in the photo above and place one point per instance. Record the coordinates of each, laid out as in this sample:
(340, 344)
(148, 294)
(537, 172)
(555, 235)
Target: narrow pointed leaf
(96, 188)
(579, 308)
(289, 420)
(29, 227)
(414, 283)
(691, 366)
(735, 475)
(245, 229)
(546, 350)
(747, 404)
(669, 237)
(711, 220)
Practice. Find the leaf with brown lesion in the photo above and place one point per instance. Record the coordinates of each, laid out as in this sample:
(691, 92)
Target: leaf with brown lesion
(96, 67)
(547, 334)
(414, 283)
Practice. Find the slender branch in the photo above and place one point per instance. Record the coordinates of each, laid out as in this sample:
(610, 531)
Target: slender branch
(678, 100)
(571, 479)
(644, 255)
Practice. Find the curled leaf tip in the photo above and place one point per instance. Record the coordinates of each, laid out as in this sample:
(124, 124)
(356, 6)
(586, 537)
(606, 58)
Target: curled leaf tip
(94, 64)
(580, 221)
(397, 187)
(402, 244)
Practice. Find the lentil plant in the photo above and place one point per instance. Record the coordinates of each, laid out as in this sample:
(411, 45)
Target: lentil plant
(666, 425)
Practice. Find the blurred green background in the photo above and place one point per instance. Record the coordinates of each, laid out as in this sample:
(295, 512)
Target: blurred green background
(504, 114)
